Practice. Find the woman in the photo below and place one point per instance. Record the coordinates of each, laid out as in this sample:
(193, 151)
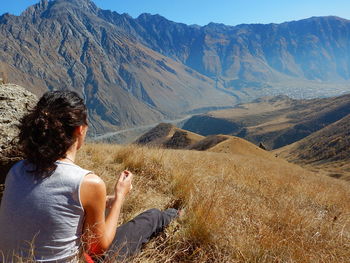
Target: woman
(51, 206)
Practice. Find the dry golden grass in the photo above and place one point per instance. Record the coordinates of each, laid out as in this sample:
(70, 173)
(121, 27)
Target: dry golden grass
(239, 146)
(169, 136)
(325, 151)
(193, 137)
(275, 121)
(238, 208)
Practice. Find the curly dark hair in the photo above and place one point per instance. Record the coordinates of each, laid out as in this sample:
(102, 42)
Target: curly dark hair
(47, 131)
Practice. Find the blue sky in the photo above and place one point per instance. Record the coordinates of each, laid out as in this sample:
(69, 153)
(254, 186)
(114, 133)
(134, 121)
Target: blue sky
(201, 12)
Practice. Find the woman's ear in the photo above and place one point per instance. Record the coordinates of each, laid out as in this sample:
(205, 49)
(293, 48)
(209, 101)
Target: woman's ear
(80, 134)
(78, 131)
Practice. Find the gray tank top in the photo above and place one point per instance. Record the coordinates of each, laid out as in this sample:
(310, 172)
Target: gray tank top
(42, 216)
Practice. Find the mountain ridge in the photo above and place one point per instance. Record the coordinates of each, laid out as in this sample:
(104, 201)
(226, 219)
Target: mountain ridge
(135, 71)
(102, 63)
(208, 32)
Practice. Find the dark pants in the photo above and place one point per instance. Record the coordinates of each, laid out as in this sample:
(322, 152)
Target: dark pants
(132, 235)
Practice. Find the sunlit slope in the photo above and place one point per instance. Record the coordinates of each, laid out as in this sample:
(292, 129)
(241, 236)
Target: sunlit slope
(168, 136)
(327, 149)
(238, 146)
(239, 208)
(275, 121)
(123, 82)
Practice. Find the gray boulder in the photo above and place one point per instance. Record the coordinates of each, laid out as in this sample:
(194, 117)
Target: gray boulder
(14, 103)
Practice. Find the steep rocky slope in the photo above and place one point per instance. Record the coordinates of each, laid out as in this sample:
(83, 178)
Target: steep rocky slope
(311, 49)
(67, 45)
(139, 71)
(255, 57)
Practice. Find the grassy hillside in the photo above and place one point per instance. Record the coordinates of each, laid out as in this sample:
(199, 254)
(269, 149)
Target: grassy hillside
(209, 142)
(168, 136)
(275, 121)
(238, 146)
(326, 150)
(239, 207)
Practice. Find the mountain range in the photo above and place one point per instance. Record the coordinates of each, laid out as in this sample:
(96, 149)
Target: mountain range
(135, 71)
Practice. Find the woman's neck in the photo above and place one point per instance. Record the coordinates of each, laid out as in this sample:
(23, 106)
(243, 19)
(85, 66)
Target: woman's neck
(68, 158)
(70, 154)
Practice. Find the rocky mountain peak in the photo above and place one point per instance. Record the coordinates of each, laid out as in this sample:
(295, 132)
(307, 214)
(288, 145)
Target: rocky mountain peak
(53, 8)
(156, 19)
(85, 5)
(37, 8)
(147, 16)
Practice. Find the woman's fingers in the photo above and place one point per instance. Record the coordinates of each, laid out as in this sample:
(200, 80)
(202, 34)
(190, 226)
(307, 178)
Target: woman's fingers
(125, 175)
(124, 183)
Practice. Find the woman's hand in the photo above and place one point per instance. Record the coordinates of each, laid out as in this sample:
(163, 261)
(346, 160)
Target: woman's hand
(123, 185)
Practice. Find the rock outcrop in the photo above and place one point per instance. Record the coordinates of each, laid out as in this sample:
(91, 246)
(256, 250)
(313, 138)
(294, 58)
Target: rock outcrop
(14, 103)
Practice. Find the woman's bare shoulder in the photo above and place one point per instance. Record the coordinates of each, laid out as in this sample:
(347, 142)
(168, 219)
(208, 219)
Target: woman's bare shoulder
(93, 189)
(92, 178)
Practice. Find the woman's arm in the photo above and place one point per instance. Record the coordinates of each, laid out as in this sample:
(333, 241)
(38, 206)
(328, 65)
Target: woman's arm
(109, 202)
(99, 231)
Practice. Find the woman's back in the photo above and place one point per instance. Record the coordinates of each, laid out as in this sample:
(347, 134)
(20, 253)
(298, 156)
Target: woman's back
(45, 213)
(47, 209)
